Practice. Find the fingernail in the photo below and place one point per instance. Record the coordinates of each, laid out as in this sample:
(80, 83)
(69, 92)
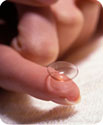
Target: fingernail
(73, 102)
(65, 90)
(65, 101)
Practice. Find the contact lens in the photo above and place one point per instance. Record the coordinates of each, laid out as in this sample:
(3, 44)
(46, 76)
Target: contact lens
(62, 71)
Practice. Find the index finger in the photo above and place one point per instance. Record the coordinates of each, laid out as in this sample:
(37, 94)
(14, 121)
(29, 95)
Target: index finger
(21, 75)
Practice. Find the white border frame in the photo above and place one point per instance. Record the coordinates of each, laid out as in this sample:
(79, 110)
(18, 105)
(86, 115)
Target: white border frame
(101, 122)
(1, 1)
(101, 1)
(2, 123)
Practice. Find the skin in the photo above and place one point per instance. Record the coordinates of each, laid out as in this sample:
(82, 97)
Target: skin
(44, 34)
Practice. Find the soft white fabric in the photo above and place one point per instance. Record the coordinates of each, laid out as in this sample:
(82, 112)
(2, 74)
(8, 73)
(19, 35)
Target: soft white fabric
(17, 108)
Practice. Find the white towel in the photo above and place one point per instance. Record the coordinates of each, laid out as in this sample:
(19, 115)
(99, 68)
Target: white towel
(17, 108)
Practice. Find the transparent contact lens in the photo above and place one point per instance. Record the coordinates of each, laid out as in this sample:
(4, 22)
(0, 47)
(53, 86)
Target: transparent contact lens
(62, 71)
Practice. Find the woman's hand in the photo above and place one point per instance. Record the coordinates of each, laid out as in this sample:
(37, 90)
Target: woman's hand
(45, 32)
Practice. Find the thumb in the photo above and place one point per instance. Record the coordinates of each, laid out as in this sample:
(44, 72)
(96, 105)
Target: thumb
(36, 27)
(21, 75)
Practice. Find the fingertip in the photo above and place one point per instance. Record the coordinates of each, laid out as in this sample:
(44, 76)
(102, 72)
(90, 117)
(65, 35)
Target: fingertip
(74, 93)
(68, 92)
